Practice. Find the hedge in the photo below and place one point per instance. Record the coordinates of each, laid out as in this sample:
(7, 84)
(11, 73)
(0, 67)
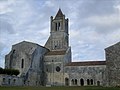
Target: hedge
(9, 71)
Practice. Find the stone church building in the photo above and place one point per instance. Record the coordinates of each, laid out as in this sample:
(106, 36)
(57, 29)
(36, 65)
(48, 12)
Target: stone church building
(51, 64)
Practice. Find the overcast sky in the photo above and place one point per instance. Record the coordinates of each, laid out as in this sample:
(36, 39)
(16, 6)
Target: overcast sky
(93, 25)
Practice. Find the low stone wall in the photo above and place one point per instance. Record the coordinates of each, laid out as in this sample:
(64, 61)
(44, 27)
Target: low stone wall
(7, 80)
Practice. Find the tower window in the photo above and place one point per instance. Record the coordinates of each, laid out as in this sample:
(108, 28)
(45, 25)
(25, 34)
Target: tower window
(55, 26)
(22, 63)
(59, 26)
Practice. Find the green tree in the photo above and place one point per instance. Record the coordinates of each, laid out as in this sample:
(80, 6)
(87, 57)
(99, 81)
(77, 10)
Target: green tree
(9, 71)
(1, 70)
(16, 72)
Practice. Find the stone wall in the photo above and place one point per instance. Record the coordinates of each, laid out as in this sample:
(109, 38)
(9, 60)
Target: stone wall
(52, 62)
(55, 67)
(85, 75)
(113, 65)
(7, 80)
(28, 58)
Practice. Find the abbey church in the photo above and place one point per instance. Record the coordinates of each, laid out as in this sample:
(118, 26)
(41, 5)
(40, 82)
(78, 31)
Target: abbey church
(51, 64)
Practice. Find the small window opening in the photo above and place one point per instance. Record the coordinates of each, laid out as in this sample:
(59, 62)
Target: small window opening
(55, 26)
(22, 63)
(13, 50)
(59, 26)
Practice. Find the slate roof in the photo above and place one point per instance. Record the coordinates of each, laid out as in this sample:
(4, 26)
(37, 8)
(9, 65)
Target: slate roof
(88, 63)
(56, 52)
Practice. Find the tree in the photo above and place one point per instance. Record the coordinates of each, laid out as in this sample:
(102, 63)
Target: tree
(16, 72)
(1, 70)
(9, 71)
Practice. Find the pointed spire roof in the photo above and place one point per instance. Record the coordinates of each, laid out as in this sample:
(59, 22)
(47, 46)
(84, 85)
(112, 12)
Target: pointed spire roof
(59, 13)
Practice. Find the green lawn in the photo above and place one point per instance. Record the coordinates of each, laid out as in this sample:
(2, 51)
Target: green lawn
(59, 88)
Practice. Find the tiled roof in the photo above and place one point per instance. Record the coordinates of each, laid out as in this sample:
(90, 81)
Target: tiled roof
(56, 52)
(88, 63)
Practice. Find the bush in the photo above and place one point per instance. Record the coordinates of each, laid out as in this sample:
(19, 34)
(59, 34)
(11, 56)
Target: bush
(1, 70)
(16, 72)
(9, 71)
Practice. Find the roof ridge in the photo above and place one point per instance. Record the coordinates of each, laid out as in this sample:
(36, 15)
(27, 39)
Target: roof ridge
(86, 63)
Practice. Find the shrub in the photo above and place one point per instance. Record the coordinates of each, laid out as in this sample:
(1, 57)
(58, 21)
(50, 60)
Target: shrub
(1, 70)
(16, 72)
(9, 71)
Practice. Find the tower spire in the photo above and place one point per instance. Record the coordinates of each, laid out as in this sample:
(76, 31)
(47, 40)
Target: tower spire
(59, 13)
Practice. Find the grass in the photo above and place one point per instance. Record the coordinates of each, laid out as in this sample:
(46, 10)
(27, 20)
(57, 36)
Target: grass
(60, 88)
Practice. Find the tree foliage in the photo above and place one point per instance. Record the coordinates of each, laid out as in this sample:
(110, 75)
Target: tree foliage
(9, 71)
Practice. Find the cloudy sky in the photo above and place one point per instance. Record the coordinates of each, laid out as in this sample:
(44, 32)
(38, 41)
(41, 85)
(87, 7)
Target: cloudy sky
(93, 24)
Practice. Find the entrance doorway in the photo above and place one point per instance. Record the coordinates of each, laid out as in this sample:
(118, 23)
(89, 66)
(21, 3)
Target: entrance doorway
(98, 83)
(88, 82)
(81, 82)
(66, 81)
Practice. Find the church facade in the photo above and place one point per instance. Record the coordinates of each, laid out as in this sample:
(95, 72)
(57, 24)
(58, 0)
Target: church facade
(51, 64)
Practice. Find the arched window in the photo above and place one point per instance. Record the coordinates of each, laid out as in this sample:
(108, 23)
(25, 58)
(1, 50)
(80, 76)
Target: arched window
(88, 82)
(3, 80)
(75, 81)
(91, 81)
(59, 26)
(98, 83)
(8, 81)
(22, 63)
(14, 80)
(66, 81)
(36, 82)
(72, 81)
(55, 26)
(13, 50)
(28, 83)
(81, 82)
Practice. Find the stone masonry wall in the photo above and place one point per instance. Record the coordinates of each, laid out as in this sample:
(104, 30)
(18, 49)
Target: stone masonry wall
(113, 65)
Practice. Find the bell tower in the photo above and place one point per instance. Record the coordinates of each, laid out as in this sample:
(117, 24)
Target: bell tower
(59, 37)
(60, 51)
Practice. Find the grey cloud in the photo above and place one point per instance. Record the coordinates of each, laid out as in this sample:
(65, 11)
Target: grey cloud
(1, 46)
(32, 23)
(96, 7)
(6, 27)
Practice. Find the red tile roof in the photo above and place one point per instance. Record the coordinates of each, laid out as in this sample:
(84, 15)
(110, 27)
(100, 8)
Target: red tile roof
(88, 63)
(56, 52)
